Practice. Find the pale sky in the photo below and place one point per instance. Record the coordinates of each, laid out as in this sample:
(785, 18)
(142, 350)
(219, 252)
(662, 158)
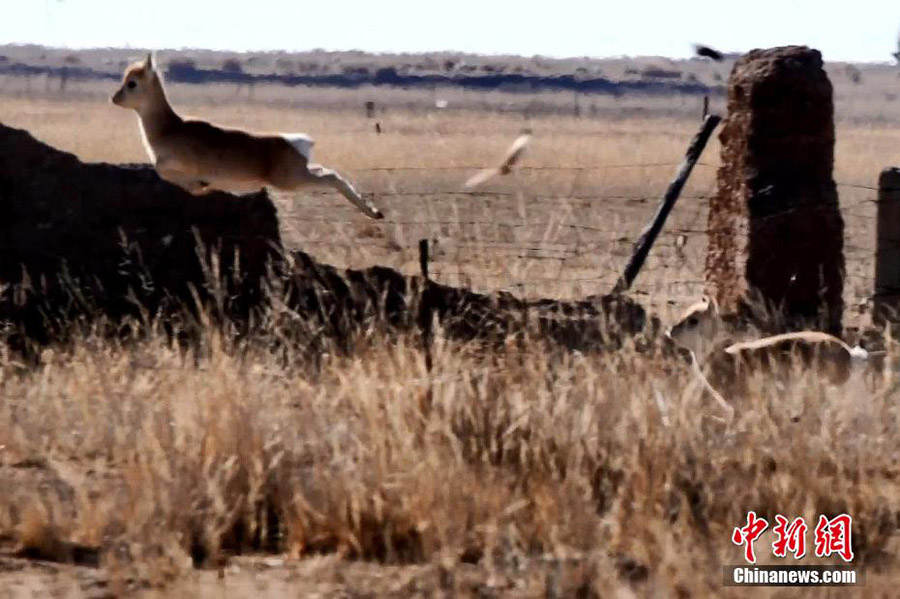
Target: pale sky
(861, 30)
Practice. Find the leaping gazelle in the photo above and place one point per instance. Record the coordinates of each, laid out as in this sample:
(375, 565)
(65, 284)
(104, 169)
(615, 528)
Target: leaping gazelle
(200, 156)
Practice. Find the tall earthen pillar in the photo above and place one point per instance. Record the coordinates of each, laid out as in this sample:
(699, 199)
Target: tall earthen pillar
(776, 234)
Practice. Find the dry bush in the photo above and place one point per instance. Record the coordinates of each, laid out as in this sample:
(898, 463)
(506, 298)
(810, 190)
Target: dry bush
(232, 65)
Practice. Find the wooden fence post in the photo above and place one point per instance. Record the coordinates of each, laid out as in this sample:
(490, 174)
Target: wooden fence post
(886, 299)
(425, 315)
(642, 246)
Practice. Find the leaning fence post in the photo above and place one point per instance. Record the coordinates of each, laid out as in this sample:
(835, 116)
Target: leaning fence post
(886, 299)
(648, 236)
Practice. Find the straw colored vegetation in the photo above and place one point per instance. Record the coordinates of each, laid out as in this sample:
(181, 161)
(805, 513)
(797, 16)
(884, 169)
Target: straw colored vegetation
(140, 468)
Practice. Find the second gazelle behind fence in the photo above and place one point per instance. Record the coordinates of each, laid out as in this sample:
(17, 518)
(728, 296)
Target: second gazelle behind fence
(725, 352)
(200, 156)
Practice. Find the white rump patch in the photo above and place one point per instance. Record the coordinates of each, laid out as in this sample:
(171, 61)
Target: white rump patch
(858, 354)
(302, 143)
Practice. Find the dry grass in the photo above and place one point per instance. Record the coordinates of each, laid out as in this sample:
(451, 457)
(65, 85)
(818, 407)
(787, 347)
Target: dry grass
(526, 464)
(522, 463)
(523, 473)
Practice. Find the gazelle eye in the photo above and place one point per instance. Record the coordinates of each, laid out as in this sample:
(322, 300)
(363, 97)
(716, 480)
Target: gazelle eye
(693, 321)
(132, 84)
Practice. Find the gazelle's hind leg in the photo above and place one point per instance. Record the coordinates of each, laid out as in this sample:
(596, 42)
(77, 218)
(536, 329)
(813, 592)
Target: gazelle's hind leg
(326, 176)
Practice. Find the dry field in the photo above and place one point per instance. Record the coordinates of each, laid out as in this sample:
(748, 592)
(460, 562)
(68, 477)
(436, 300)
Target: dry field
(528, 474)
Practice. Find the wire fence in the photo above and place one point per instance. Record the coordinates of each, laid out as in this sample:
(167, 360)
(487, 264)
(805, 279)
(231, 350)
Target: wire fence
(517, 237)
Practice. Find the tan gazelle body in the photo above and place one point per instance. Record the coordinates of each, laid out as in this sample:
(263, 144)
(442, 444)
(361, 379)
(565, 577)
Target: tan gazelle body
(200, 156)
(712, 340)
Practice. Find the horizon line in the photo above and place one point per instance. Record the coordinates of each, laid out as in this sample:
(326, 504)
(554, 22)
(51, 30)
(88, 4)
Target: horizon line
(731, 55)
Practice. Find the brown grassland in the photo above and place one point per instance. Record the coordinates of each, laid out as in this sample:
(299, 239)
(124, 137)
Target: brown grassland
(131, 469)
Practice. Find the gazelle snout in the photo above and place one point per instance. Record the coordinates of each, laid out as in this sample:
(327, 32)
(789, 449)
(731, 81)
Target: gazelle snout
(132, 93)
(698, 327)
(137, 88)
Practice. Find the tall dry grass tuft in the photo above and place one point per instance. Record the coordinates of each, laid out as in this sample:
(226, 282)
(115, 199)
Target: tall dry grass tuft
(160, 460)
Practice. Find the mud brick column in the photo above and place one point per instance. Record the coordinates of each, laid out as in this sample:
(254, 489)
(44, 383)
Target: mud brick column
(887, 251)
(775, 228)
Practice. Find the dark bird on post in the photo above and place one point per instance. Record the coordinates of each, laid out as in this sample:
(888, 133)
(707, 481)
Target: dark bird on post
(707, 52)
(512, 157)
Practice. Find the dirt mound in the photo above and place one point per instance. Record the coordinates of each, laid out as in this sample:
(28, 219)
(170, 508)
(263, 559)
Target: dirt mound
(87, 242)
(775, 228)
(75, 237)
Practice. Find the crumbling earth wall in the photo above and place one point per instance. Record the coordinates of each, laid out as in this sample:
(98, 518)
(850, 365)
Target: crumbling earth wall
(775, 228)
(76, 237)
(100, 242)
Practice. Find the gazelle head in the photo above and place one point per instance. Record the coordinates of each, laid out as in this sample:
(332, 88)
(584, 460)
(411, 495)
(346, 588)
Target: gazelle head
(698, 328)
(139, 85)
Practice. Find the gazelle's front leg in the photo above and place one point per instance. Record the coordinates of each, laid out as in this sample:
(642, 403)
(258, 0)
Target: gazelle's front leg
(330, 177)
(170, 171)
